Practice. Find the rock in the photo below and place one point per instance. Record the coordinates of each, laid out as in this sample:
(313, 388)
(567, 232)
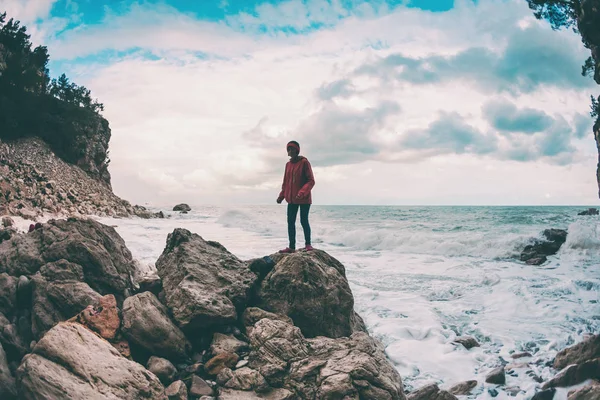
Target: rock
(220, 361)
(467, 341)
(13, 344)
(513, 390)
(58, 300)
(520, 355)
(102, 318)
(589, 211)
(8, 294)
(24, 292)
(496, 376)
(590, 392)
(162, 368)
(226, 344)
(150, 283)
(146, 323)
(182, 207)
(8, 389)
(107, 263)
(7, 222)
(311, 288)
(544, 394)
(254, 314)
(177, 391)
(204, 284)
(241, 363)
(430, 392)
(536, 253)
(242, 379)
(261, 266)
(322, 367)
(581, 352)
(274, 394)
(575, 374)
(199, 387)
(72, 362)
(463, 388)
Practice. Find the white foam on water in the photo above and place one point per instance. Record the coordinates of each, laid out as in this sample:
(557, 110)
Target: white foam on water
(422, 276)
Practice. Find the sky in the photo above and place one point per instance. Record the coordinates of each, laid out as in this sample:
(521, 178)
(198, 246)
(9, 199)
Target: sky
(410, 102)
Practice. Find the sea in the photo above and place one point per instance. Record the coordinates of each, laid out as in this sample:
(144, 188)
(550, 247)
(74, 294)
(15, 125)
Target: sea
(421, 276)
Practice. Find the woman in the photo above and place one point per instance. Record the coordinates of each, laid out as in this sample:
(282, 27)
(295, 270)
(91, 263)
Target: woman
(298, 181)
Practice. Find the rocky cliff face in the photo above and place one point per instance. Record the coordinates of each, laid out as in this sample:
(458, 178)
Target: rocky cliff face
(91, 150)
(35, 182)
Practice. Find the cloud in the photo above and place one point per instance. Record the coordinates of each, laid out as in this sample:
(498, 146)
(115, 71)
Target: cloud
(449, 134)
(533, 57)
(339, 88)
(505, 117)
(27, 11)
(583, 125)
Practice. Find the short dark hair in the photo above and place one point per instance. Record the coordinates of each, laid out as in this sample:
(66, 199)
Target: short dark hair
(293, 141)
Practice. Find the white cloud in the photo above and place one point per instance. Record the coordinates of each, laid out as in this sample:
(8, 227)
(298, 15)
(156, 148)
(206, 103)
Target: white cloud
(27, 10)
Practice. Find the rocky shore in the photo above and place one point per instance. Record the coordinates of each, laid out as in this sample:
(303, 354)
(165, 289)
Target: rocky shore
(77, 321)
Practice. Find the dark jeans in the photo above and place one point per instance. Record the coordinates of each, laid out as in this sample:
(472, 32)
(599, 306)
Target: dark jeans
(292, 212)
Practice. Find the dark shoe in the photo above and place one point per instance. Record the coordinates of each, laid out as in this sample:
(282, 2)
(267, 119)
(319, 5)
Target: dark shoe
(287, 250)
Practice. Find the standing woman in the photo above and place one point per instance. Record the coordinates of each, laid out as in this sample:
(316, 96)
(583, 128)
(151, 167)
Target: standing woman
(298, 181)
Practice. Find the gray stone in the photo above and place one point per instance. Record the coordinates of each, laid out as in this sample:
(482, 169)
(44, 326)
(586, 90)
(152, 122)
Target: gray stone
(8, 294)
(467, 341)
(146, 323)
(463, 388)
(242, 379)
(72, 362)
(589, 392)
(227, 344)
(574, 374)
(430, 392)
(8, 389)
(162, 368)
(496, 376)
(177, 391)
(199, 387)
(274, 394)
(204, 284)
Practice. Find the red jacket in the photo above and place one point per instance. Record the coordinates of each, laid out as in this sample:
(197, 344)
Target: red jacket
(298, 179)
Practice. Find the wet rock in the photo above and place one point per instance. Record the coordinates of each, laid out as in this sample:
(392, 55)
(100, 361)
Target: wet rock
(589, 211)
(102, 318)
(72, 362)
(177, 391)
(204, 284)
(535, 254)
(496, 376)
(7, 222)
(8, 389)
(463, 388)
(575, 374)
(14, 346)
(513, 390)
(590, 392)
(581, 352)
(150, 283)
(226, 344)
(199, 387)
(146, 323)
(544, 394)
(162, 368)
(220, 361)
(24, 292)
(182, 207)
(520, 355)
(430, 392)
(311, 288)
(467, 341)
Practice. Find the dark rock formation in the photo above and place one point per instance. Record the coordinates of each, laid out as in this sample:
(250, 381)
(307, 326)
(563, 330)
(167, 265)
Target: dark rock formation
(182, 207)
(589, 211)
(581, 352)
(535, 254)
(463, 388)
(467, 341)
(496, 376)
(430, 392)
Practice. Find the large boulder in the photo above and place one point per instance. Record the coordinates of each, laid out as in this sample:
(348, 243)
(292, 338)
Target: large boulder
(431, 392)
(59, 293)
(324, 368)
(182, 207)
(72, 362)
(311, 288)
(147, 324)
(581, 352)
(8, 293)
(536, 253)
(107, 264)
(204, 284)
